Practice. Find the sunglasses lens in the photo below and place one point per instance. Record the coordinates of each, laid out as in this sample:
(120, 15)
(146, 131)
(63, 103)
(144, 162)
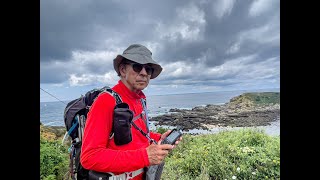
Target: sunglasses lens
(138, 67)
(149, 70)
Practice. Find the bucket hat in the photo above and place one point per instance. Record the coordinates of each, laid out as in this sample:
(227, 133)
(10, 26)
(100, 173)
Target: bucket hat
(139, 54)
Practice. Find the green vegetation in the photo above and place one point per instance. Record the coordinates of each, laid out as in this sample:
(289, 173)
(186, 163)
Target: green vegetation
(258, 98)
(244, 154)
(54, 159)
(241, 154)
(161, 130)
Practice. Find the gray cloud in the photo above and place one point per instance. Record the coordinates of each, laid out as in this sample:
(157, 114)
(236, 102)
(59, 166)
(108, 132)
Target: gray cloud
(197, 42)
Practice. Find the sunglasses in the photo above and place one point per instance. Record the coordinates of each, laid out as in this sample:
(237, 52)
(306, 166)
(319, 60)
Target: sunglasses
(138, 67)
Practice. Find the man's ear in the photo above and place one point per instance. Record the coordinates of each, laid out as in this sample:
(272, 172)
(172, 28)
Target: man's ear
(122, 70)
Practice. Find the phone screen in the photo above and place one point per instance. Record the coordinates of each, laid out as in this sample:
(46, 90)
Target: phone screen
(173, 135)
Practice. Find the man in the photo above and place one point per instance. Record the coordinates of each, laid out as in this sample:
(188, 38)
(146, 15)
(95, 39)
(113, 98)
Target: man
(99, 152)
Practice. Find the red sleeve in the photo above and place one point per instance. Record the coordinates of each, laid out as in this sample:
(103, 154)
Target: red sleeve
(155, 136)
(94, 153)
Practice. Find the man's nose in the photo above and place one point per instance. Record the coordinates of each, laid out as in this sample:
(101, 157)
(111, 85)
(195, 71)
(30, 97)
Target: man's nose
(143, 71)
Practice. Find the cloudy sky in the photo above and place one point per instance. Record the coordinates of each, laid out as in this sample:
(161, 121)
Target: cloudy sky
(202, 45)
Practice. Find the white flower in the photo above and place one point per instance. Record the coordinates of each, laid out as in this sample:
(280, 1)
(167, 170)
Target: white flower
(253, 173)
(238, 169)
(234, 177)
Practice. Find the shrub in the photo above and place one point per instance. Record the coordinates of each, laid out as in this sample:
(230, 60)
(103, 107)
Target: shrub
(240, 154)
(161, 130)
(53, 159)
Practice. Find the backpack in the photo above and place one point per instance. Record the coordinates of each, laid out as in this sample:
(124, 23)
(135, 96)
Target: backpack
(75, 115)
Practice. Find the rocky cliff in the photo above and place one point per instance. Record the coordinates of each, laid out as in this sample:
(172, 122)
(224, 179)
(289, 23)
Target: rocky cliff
(245, 110)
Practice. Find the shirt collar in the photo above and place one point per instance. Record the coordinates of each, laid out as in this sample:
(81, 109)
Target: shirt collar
(126, 91)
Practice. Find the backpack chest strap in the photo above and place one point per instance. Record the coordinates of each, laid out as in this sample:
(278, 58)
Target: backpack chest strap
(138, 116)
(126, 175)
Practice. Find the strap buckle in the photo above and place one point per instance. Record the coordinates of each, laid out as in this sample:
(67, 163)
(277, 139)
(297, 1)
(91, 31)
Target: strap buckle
(126, 175)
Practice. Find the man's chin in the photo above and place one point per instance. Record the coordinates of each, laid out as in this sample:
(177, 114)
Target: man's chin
(141, 86)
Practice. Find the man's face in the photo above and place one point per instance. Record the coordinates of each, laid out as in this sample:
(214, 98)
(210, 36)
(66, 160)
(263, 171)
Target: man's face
(136, 76)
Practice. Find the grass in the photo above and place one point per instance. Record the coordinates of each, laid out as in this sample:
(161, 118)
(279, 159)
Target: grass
(241, 154)
(238, 154)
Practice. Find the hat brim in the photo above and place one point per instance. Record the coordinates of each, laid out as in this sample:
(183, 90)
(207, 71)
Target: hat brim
(138, 59)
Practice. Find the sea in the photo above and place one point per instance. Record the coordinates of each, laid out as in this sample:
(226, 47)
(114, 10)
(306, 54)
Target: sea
(51, 113)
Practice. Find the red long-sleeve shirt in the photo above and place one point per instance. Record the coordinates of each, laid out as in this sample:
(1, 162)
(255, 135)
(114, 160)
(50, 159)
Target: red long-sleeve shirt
(100, 153)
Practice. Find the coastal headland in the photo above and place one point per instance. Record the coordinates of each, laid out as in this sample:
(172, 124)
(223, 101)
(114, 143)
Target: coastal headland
(245, 110)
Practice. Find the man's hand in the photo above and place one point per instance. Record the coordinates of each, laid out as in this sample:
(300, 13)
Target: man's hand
(157, 152)
(164, 135)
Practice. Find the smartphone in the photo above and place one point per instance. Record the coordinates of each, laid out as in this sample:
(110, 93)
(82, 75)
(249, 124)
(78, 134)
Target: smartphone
(172, 137)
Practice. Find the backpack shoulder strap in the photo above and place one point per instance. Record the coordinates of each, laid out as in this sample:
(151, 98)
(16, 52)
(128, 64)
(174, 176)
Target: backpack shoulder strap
(144, 105)
(118, 99)
(115, 95)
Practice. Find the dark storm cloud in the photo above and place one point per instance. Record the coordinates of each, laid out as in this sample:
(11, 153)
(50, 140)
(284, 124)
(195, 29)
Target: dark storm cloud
(206, 33)
(52, 74)
(220, 34)
(72, 25)
(82, 24)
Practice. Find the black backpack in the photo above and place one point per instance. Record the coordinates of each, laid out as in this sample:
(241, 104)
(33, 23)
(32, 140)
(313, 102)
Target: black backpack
(75, 115)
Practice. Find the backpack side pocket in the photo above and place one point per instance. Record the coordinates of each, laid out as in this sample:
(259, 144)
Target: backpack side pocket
(122, 117)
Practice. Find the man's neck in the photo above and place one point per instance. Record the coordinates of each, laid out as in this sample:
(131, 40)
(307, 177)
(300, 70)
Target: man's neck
(129, 87)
